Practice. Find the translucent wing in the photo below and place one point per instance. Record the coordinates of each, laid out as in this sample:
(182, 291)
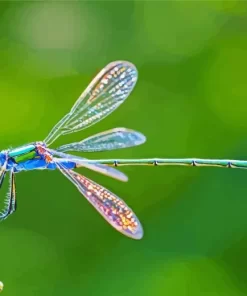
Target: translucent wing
(116, 138)
(112, 208)
(103, 95)
(97, 167)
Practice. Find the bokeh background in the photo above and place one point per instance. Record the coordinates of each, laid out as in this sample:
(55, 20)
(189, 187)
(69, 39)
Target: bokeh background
(190, 101)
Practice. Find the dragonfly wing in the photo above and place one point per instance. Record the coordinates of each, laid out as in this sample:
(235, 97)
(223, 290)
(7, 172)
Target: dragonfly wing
(97, 167)
(112, 208)
(103, 95)
(116, 138)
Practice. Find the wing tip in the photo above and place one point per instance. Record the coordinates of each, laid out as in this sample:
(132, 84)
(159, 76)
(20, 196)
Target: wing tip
(138, 234)
(123, 178)
(139, 137)
(127, 64)
(118, 62)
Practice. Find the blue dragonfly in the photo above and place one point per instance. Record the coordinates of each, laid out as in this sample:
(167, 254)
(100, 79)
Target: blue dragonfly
(104, 94)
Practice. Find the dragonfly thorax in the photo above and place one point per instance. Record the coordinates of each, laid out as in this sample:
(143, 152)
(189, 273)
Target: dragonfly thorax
(24, 153)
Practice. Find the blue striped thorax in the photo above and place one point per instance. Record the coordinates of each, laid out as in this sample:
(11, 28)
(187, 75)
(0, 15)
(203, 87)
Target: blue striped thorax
(23, 153)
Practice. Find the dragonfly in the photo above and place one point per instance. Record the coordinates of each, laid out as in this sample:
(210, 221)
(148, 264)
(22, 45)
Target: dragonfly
(107, 91)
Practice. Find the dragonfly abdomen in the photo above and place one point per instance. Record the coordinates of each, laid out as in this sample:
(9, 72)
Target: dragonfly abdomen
(41, 164)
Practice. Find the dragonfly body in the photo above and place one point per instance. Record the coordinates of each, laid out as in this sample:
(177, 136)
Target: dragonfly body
(104, 94)
(30, 157)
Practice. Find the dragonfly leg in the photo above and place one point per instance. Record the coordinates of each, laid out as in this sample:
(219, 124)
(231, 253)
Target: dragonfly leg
(10, 202)
(2, 173)
(13, 191)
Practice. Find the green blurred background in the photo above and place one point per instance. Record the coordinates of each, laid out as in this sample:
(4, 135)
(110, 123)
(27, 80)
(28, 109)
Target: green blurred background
(190, 101)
